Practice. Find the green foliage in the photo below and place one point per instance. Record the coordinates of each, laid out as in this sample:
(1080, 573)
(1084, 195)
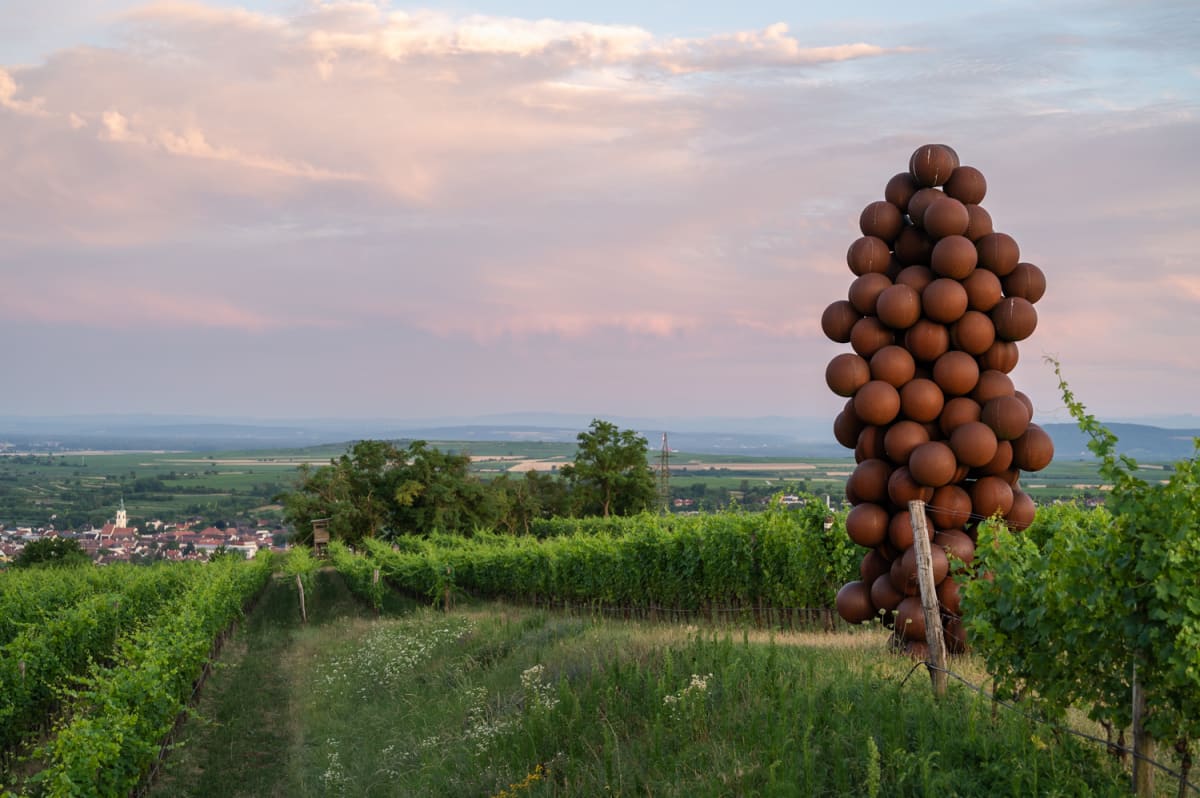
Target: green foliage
(1081, 599)
(610, 475)
(36, 664)
(378, 490)
(64, 552)
(359, 573)
(122, 711)
(779, 558)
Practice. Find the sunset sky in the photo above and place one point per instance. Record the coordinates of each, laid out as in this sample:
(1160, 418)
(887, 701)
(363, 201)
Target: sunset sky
(292, 208)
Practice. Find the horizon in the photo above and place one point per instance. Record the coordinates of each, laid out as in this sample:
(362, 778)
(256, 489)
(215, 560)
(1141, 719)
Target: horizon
(391, 210)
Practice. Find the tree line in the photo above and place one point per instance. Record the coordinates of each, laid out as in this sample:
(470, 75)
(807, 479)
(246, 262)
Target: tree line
(378, 489)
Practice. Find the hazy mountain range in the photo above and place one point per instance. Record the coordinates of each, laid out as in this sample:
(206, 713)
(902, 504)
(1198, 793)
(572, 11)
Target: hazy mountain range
(1168, 439)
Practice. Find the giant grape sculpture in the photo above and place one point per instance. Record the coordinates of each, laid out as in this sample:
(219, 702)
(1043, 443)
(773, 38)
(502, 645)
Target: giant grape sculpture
(938, 303)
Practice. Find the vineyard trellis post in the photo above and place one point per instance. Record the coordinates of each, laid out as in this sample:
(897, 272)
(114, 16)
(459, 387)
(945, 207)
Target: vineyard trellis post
(1143, 744)
(934, 638)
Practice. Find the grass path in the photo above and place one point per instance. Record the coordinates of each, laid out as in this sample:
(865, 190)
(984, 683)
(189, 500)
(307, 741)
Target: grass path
(493, 700)
(248, 728)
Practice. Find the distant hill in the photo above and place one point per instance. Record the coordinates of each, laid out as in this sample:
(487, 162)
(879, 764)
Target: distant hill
(1139, 441)
(752, 437)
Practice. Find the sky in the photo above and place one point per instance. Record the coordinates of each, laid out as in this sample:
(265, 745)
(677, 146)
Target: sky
(298, 209)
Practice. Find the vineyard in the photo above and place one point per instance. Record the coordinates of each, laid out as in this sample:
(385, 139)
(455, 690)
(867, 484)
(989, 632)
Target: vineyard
(98, 664)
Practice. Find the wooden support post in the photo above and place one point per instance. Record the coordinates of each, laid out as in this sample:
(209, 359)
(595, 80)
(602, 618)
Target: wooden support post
(300, 588)
(375, 588)
(1143, 744)
(929, 601)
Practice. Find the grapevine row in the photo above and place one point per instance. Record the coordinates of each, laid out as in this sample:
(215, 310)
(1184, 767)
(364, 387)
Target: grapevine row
(41, 657)
(779, 558)
(122, 713)
(32, 596)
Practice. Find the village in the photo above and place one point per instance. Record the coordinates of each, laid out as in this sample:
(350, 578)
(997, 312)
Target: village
(117, 541)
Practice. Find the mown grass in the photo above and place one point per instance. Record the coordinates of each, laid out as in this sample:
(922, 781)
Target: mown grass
(492, 700)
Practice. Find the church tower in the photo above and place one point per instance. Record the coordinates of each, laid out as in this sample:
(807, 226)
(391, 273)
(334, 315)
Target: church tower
(122, 516)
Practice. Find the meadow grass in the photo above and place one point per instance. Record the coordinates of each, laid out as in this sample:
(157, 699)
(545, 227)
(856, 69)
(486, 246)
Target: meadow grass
(496, 700)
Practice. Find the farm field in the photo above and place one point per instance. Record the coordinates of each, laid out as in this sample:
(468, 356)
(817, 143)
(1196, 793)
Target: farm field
(73, 490)
(490, 699)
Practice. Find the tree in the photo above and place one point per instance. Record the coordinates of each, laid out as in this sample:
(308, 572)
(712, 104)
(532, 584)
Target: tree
(51, 552)
(610, 475)
(379, 490)
(520, 502)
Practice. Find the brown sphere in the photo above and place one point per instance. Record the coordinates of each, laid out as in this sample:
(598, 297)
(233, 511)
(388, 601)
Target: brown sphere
(868, 481)
(1000, 464)
(867, 524)
(944, 300)
(837, 321)
(854, 603)
(941, 566)
(846, 373)
(1023, 511)
(984, 290)
(927, 340)
(979, 223)
(894, 365)
(992, 385)
(902, 488)
(1001, 356)
(955, 373)
(869, 335)
(921, 400)
(900, 190)
(877, 403)
(945, 216)
(919, 204)
(910, 621)
(873, 566)
(949, 598)
(1033, 451)
(998, 253)
(847, 426)
(953, 256)
(903, 574)
(865, 289)
(956, 636)
(967, 185)
(991, 495)
(884, 594)
(973, 333)
(869, 254)
(901, 438)
(1025, 400)
(932, 164)
(1007, 416)
(917, 277)
(881, 219)
(959, 548)
(1015, 319)
(898, 306)
(956, 412)
(913, 246)
(1026, 281)
(932, 464)
(950, 507)
(870, 444)
(974, 444)
(900, 530)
